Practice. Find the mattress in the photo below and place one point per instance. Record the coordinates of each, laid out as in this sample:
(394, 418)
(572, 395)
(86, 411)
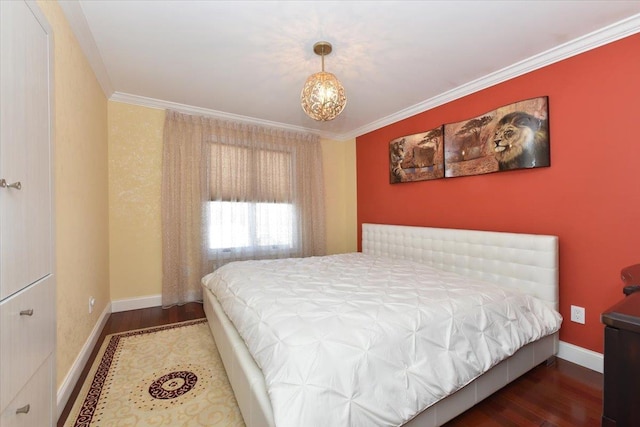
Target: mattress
(357, 339)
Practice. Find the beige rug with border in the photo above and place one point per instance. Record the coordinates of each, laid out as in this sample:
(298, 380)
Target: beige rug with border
(169, 375)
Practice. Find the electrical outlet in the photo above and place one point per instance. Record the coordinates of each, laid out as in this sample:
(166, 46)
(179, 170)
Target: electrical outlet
(92, 302)
(577, 314)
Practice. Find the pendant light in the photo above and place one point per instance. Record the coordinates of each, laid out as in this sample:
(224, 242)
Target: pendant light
(322, 96)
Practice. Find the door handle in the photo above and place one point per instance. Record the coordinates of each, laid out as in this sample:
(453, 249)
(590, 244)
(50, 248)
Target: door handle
(17, 185)
(23, 410)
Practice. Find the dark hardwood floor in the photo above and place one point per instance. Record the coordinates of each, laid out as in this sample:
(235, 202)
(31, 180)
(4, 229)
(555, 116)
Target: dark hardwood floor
(563, 394)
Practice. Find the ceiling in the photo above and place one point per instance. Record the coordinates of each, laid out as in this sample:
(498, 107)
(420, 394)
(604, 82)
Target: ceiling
(249, 59)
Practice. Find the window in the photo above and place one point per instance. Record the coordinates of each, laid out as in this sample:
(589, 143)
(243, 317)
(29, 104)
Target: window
(239, 225)
(251, 192)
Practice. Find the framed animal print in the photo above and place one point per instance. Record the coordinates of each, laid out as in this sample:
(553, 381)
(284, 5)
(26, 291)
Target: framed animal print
(417, 157)
(515, 136)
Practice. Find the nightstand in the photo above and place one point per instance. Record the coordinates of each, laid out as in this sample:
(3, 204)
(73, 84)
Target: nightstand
(621, 406)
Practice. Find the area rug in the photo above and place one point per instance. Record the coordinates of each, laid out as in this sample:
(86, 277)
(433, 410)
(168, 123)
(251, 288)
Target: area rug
(169, 375)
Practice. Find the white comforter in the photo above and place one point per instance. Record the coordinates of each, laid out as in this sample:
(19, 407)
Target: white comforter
(358, 340)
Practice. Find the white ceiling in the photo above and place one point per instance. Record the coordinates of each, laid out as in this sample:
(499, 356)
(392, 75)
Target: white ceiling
(249, 59)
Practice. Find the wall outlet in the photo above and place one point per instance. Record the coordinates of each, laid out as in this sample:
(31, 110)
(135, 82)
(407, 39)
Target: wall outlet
(92, 302)
(577, 314)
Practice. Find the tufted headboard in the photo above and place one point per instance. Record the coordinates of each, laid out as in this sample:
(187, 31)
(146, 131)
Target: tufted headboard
(528, 262)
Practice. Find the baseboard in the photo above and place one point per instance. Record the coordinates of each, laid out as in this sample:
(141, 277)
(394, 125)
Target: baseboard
(136, 303)
(581, 356)
(67, 386)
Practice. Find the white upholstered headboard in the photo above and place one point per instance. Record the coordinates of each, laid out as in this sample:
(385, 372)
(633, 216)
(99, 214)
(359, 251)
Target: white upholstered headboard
(528, 262)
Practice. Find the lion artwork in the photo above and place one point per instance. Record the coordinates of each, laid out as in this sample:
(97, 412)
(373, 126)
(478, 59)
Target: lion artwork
(521, 141)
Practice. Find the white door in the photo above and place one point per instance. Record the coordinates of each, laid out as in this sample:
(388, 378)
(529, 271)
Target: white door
(25, 193)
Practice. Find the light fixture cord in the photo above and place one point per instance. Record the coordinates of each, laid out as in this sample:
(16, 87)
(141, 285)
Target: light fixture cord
(323, 59)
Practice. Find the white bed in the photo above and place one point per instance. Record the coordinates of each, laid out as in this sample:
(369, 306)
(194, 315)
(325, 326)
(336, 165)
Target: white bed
(525, 262)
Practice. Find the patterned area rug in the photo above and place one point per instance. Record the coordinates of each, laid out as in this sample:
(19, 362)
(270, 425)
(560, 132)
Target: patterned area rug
(169, 375)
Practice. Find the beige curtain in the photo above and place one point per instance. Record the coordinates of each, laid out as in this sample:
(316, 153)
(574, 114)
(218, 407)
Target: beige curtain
(234, 191)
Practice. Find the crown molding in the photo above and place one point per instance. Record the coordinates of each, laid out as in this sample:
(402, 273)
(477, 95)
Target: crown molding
(78, 22)
(619, 30)
(609, 34)
(189, 109)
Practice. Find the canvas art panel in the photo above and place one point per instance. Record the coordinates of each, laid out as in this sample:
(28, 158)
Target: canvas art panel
(417, 157)
(511, 137)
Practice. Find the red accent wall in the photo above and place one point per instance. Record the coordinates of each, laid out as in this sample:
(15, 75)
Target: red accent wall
(589, 197)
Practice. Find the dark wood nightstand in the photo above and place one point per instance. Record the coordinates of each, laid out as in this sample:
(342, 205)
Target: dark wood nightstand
(621, 400)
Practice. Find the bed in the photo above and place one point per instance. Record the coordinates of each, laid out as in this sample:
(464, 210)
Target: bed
(524, 262)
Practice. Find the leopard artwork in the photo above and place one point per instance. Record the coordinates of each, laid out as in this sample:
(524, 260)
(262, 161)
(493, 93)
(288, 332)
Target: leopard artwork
(396, 157)
(521, 141)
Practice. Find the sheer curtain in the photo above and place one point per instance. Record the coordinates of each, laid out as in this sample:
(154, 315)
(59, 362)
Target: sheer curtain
(234, 191)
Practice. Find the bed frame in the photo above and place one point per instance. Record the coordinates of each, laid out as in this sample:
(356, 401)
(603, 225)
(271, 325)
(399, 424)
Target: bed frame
(523, 261)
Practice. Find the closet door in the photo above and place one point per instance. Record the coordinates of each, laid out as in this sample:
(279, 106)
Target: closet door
(25, 183)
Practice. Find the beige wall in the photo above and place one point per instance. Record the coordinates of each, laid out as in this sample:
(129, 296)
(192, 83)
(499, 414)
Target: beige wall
(135, 166)
(135, 161)
(339, 163)
(80, 174)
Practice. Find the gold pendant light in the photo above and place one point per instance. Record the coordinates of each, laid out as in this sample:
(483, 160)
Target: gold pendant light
(322, 96)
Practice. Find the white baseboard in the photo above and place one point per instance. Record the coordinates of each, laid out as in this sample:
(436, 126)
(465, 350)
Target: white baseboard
(581, 356)
(67, 386)
(136, 303)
